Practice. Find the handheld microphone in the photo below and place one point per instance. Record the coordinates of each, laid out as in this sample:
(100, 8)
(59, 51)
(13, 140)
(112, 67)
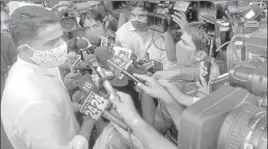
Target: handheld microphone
(123, 52)
(117, 64)
(92, 59)
(95, 104)
(87, 85)
(84, 44)
(207, 61)
(151, 66)
(100, 72)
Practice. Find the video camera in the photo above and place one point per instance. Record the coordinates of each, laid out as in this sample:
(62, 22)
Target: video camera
(119, 6)
(68, 20)
(68, 16)
(160, 22)
(235, 115)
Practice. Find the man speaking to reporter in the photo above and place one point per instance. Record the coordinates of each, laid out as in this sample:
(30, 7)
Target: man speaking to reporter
(36, 110)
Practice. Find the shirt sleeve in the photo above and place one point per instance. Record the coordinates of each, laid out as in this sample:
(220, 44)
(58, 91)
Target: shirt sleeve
(188, 73)
(40, 127)
(195, 99)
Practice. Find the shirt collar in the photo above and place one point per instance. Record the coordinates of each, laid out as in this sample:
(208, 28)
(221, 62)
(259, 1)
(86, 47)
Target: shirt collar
(38, 69)
(130, 27)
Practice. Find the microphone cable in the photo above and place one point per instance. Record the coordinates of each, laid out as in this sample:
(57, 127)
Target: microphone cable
(155, 43)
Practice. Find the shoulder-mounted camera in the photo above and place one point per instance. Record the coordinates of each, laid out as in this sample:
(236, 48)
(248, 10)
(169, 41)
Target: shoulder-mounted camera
(68, 20)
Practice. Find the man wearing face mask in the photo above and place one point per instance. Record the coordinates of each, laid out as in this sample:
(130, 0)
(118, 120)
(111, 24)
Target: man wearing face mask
(36, 110)
(135, 34)
(104, 8)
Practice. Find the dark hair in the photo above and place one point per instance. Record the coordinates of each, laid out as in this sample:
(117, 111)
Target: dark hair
(141, 4)
(26, 21)
(3, 8)
(90, 14)
(201, 34)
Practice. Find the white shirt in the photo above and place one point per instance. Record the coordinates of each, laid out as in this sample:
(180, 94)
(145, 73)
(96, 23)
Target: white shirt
(36, 110)
(135, 40)
(157, 52)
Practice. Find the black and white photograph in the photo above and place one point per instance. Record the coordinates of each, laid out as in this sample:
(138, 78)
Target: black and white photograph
(134, 74)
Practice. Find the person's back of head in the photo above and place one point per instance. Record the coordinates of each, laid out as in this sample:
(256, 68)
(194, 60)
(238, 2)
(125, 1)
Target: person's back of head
(26, 22)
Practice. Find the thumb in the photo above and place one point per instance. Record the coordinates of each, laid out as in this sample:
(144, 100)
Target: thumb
(198, 84)
(203, 81)
(76, 106)
(213, 62)
(143, 87)
(142, 77)
(115, 100)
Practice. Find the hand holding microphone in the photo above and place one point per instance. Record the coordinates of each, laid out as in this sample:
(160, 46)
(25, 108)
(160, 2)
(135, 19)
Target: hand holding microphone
(125, 107)
(71, 80)
(93, 101)
(119, 65)
(154, 89)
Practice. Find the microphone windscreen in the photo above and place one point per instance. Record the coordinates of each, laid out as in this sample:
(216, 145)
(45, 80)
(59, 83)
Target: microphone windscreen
(91, 58)
(82, 43)
(72, 56)
(102, 54)
(119, 82)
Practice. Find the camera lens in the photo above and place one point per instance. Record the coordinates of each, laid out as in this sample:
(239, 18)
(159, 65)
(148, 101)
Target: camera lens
(244, 128)
(123, 4)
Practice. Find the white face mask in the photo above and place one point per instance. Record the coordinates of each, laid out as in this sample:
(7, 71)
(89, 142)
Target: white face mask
(50, 58)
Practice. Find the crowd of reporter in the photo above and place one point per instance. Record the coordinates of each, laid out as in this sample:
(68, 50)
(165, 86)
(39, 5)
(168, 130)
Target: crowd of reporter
(37, 109)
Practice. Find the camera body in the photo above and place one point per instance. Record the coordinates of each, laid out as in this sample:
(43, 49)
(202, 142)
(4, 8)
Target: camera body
(160, 22)
(119, 6)
(68, 20)
(235, 115)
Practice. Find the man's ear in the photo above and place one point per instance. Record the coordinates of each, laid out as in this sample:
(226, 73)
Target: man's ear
(200, 56)
(25, 50)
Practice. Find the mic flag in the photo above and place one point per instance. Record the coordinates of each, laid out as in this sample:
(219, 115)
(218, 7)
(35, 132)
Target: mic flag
(86, 84)
(94, 105)
(117, 64)
(104, 41)
(123, 52)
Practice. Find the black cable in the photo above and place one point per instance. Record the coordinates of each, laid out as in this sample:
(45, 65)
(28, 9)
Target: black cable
(155, 43)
